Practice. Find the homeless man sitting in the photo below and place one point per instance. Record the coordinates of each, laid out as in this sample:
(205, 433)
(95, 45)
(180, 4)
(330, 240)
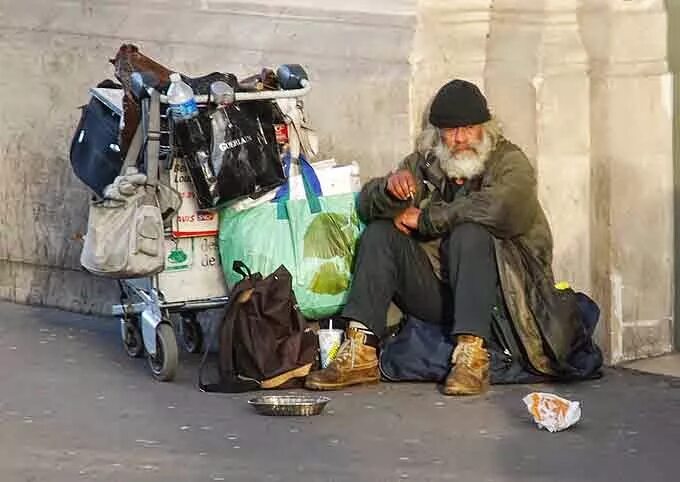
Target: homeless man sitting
(451, 235)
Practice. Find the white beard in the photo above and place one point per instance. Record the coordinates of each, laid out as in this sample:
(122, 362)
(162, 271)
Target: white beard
(465, 164)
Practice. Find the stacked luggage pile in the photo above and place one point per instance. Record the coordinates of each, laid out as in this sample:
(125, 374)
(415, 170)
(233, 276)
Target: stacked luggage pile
(191, 175)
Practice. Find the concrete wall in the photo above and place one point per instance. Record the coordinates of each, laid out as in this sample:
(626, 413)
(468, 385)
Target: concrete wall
(582, 85)
(673, 36)
(52, 52)
(632, 173)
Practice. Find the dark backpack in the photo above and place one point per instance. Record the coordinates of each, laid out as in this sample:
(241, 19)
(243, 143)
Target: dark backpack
(263, 339)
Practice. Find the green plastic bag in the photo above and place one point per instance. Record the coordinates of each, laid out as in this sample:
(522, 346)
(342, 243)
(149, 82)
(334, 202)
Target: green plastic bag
(314, 238)
(324, 243)
(257, 237)
(261, 236)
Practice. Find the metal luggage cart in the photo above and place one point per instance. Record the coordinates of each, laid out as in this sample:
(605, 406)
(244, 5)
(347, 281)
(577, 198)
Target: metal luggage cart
(147, 304)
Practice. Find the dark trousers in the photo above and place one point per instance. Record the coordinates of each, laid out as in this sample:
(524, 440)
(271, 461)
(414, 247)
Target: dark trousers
(391, 266)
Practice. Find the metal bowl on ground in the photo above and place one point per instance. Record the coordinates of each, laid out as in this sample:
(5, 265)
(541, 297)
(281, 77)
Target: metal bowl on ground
(289, 405)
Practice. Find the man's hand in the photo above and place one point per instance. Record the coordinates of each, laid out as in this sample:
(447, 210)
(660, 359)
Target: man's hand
(401, 184)
(407, 221)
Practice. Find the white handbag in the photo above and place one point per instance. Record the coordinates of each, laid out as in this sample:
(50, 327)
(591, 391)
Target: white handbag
(125, 237)
(125, 229)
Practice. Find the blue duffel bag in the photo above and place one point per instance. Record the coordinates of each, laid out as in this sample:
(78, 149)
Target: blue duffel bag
(421, 351)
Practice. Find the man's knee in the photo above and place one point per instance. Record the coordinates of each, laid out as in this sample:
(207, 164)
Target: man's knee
(379, 230)
(469, 236)
(381, 239)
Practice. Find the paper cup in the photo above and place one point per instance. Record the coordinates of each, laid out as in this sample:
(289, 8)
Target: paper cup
(329, 343)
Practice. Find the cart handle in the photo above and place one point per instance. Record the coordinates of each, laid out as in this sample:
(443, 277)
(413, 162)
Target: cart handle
(263, 95)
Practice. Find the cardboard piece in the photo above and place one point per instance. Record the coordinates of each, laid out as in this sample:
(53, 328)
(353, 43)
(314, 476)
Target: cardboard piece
(192, 270)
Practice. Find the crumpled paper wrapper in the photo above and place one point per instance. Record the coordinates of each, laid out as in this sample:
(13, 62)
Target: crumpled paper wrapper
(552, 412)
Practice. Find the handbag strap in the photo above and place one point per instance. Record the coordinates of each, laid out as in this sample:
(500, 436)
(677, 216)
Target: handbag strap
(153, 138)
(133, 151)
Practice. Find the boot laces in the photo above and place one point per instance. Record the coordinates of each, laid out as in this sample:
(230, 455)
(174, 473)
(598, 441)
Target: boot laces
(346, 350)
(464, 354)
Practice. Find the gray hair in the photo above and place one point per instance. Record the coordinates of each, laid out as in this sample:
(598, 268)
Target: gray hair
(430, 137)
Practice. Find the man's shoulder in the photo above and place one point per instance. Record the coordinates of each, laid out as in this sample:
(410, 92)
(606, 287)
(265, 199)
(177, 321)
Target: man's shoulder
(413, 159)
(506, 147)
(508, 152)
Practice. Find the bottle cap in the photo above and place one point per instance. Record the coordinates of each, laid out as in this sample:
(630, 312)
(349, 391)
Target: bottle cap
(175, 77)
(221, 92)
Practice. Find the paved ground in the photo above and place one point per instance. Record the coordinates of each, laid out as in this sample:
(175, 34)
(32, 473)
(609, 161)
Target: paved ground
(662, 365)
(73, 407)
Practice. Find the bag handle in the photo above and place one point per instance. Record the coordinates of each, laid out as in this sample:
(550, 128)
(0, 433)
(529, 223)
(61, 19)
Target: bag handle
(310, 182)
(309, 177)
(241, 268)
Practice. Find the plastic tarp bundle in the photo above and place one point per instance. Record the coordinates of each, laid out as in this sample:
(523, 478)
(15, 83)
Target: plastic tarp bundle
(314, 237)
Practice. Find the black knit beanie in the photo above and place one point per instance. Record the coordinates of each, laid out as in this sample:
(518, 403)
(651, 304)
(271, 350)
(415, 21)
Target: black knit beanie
(459, 103)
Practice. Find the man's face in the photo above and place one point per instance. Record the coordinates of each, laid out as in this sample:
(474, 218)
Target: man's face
(461, 139)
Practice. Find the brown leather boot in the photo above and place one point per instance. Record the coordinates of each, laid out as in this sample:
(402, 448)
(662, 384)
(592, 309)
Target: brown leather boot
(470, 368)
(355, 363)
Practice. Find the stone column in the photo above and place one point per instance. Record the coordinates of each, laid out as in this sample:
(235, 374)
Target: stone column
(529, 60)
(632, 178)
(449, 41)
(537, 80)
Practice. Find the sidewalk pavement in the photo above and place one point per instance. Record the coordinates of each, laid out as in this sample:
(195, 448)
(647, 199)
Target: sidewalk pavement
(661, 365)
(73, 407)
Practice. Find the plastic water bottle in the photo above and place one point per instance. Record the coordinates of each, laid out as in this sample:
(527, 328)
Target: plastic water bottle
(193, 140)
(181, 99)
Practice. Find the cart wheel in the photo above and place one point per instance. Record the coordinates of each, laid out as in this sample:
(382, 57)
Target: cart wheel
(132, 338)
(192, 334)
(164, 363)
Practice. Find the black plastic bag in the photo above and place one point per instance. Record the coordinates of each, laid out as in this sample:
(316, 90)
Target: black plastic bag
(231, 152)
(244, 151)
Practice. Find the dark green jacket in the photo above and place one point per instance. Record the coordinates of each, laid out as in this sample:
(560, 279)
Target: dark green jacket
(547, 320)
